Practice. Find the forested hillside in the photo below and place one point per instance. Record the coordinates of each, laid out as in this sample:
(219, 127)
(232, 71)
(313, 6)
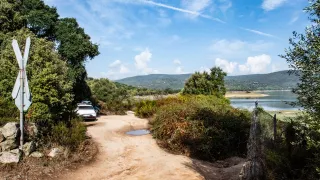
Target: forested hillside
(272, 81)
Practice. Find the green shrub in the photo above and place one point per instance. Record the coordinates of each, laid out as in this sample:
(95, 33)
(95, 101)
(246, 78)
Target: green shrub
(145, 108)
(295, 155)
(8, 111)
(68, 134)
(5, 120)
(204, 127)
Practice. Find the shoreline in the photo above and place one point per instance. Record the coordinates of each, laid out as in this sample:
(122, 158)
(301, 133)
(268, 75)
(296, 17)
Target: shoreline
(244, 94)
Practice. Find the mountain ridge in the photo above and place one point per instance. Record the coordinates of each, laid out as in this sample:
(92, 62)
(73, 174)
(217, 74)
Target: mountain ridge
(271, 81)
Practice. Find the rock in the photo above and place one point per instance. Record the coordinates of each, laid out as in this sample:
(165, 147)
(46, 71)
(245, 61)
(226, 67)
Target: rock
(8, 144)
(10, 130)
(28, 148)
(10, 157)
(15, 151)
(31, 129)
(55, 152)
(2, 138)
(36, 154)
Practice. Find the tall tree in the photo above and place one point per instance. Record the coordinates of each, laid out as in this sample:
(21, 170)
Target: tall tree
(10, 17)
(304, 58)
(40, 18)
(75, 47)
(206, 83)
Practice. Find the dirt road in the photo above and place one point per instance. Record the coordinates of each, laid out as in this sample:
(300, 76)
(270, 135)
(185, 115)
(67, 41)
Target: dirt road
(130, 157)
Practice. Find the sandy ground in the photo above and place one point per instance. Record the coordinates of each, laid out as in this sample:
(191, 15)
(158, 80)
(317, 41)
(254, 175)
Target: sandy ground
(130, 157)
(125, 157)
(244, 94)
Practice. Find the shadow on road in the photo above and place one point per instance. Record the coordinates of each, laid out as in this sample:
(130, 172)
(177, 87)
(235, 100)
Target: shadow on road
(228, 169)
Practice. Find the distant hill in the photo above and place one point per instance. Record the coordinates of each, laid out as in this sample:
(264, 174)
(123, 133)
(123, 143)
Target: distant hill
(272, 81)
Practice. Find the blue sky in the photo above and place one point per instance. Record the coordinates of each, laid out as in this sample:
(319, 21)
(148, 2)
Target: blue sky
(138, 37)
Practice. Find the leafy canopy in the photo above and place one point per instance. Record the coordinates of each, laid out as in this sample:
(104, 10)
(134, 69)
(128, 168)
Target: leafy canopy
(47, 75)
(303, 56)
(205, 83)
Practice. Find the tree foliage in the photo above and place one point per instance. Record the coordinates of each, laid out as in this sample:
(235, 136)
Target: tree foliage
(206, 83)
(303, 56)
(40, 18)
(47, 73)
(59, 50)
(114, 99)
(73, 44)
(75, 47)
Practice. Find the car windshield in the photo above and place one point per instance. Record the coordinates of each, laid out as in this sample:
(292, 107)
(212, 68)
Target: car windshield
(85, 107)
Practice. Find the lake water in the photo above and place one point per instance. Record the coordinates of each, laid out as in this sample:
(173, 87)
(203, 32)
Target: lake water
(276, 101)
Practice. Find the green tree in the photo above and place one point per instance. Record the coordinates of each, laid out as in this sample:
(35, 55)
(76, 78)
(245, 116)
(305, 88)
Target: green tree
(47, 74)
(206, 83)
(302, 134)
(40, 18)
(303, 59)
(73, 44)
(116, 98)
(75, 47)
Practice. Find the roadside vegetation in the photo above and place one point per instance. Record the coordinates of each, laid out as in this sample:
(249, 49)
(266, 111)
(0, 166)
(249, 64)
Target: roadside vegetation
(55, 69)
(296, 153)
(116, 98)
(200, 122)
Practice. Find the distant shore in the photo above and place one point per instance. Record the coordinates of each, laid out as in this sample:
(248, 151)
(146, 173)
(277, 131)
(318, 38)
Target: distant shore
(244, 94)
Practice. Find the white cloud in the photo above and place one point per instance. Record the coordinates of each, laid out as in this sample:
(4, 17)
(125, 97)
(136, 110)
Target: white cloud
(205, 69)
(244, 68)
(179, 70)
(278, 67)
(295, 17)
(227, 66)
(187, 11)
(225, 5)
(256, 64)
(142, 59)
(226, 46)
(117, 67)
(195, 6)
(259, 32)
(115, 63)
(269, 5)
(141, 62)
(236, 47)
(177, 62)
(124, 69)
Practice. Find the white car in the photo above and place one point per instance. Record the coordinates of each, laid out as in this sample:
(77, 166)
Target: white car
(86, 111)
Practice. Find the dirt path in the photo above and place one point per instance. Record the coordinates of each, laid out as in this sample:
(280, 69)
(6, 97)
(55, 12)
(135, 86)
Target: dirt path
(130, 157)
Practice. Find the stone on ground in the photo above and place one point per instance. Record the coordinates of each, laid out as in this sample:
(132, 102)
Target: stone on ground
(28, 148)
(10, 130)
(36, 154)
(2, 138)
(10, 157)
(55, 152)
(8, 145)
